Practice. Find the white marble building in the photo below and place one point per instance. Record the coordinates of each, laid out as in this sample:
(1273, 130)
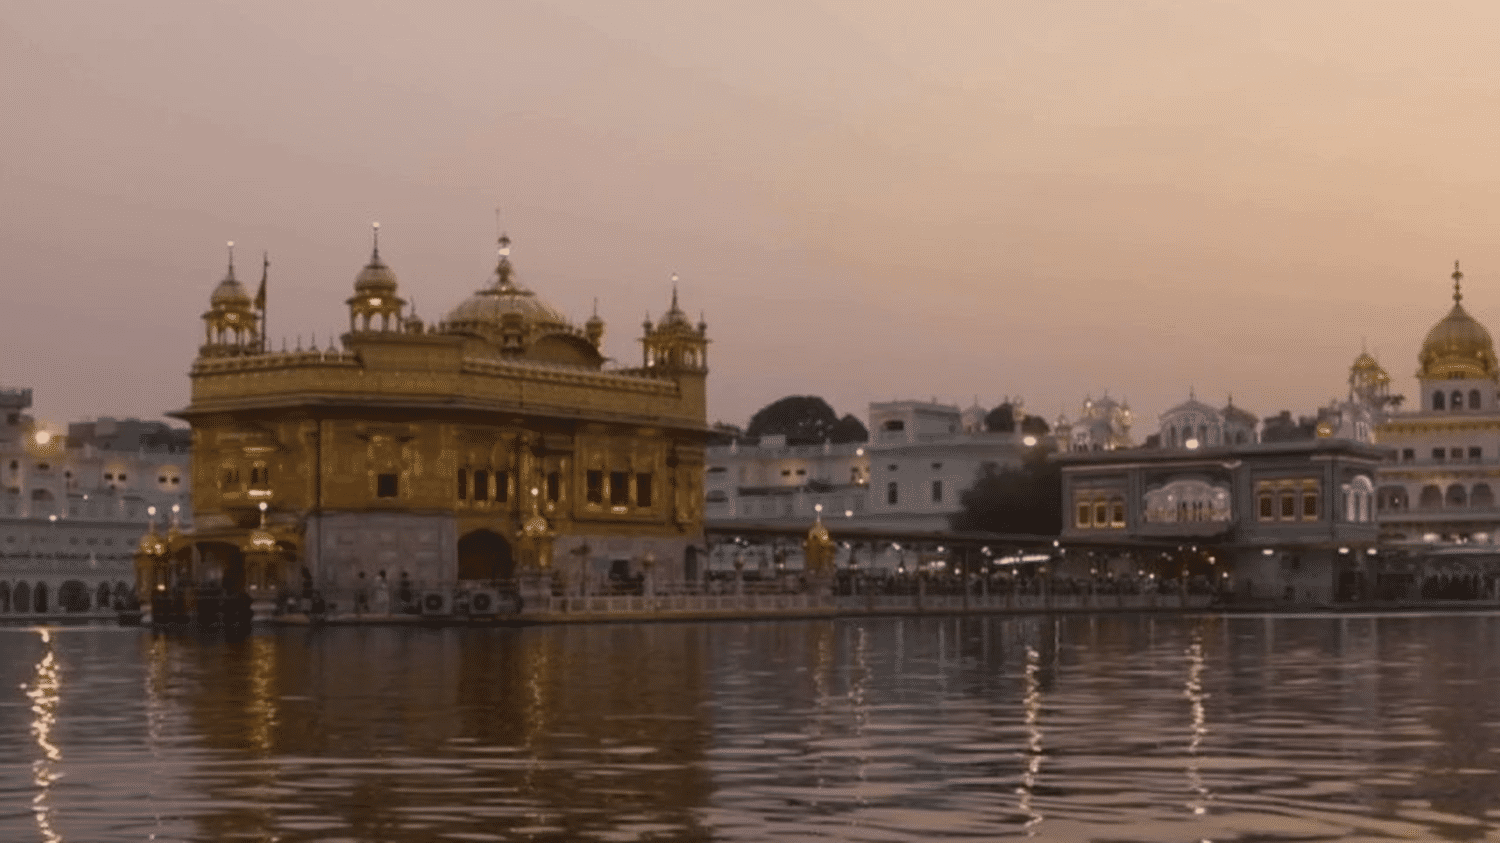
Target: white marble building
(1441, 488)
(920, 458)
(74, 504)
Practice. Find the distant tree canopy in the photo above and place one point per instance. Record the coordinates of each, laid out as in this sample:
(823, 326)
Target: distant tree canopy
(1002, 419)
(1022, 499)
(805, 420)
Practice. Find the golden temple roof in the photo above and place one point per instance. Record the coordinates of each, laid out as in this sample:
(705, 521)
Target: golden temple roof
(230, 293)
(1457, 346)
(484, 310)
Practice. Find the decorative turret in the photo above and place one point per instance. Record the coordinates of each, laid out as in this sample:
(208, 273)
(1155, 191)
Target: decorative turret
(594, 328)
(375, 295)
(230, 322)
(673, 344)
(1457, 365)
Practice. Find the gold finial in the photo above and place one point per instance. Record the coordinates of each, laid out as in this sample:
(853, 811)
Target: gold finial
(1457, 277)
(674, 291)
(375, 236)
(504, 246)
(231, 258)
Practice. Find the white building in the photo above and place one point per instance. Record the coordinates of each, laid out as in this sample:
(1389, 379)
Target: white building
(73, 506)
(1102, 425)
(1194, 424)
(1441, 488)
(920, 458)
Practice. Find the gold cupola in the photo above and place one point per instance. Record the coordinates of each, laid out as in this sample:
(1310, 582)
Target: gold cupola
(513, 321)
(230, 324)
(673, 343)
(375, 295)
(1457, 346)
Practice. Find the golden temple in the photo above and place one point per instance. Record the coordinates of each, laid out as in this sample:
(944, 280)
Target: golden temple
(493, 445)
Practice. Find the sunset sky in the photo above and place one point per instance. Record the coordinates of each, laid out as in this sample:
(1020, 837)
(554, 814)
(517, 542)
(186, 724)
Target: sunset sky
(867, 201)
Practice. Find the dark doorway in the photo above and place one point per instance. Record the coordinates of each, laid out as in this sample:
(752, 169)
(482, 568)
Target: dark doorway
(483, 555)
(73, 596)
(39, 598)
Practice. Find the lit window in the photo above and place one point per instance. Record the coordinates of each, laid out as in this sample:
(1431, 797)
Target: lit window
(1085, 515)
(1309, 504)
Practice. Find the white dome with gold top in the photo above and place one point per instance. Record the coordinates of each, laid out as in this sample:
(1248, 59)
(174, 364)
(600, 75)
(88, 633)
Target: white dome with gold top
(1457, 346)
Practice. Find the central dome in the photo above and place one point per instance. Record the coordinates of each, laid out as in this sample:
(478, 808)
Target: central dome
(512, 320)
(1457, 346)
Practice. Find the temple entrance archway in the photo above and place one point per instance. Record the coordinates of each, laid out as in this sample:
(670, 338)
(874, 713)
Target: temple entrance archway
(485, 555)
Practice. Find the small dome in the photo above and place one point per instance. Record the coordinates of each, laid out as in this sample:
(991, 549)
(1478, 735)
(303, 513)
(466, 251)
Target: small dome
(375, 279)
(230, 293)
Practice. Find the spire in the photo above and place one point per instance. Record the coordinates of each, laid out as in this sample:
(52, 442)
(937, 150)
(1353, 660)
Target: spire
(503, 269)
(231, 260)
(1457, 277)
(674, 291)
(375, 237)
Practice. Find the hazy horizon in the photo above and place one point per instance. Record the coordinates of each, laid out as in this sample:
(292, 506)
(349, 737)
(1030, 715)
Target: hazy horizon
(866, 203)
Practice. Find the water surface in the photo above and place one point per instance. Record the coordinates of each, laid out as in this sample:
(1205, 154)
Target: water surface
(1079, 728)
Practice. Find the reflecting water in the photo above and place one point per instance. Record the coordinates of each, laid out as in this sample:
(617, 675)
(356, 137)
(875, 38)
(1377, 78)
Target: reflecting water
(1108, 728)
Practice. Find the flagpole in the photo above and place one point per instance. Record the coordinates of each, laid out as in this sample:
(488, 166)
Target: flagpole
(260, 297)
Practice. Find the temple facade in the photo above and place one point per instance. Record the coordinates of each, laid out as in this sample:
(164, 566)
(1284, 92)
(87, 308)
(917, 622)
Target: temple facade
(423, 460)
(1440, 488)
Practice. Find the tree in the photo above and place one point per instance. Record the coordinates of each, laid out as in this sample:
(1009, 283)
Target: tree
(1021, 499)
(1002, 419)
(804, 420)
(1035, 425)
(849, 429)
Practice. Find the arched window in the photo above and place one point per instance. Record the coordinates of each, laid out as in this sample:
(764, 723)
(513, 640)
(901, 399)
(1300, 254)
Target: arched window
(1457, 496)
(1202, 434)
(101, 596)
(39, 598)
(481, 485)
(463, 483)
(1431, 497)
(1482, 497)
(1456, 400)
(1437, 400)
(1473, 399)
(4, 596)
(20, 597)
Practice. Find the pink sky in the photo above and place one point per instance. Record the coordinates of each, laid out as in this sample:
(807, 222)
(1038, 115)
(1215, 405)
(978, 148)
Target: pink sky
(868, 202)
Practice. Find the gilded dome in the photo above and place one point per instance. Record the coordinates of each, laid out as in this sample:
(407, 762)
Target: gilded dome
(376, 278)
(230, 293)
(484, 311)
(1457, 346)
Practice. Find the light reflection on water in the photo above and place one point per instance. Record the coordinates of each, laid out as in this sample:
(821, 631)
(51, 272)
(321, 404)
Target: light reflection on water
(1109, 728)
